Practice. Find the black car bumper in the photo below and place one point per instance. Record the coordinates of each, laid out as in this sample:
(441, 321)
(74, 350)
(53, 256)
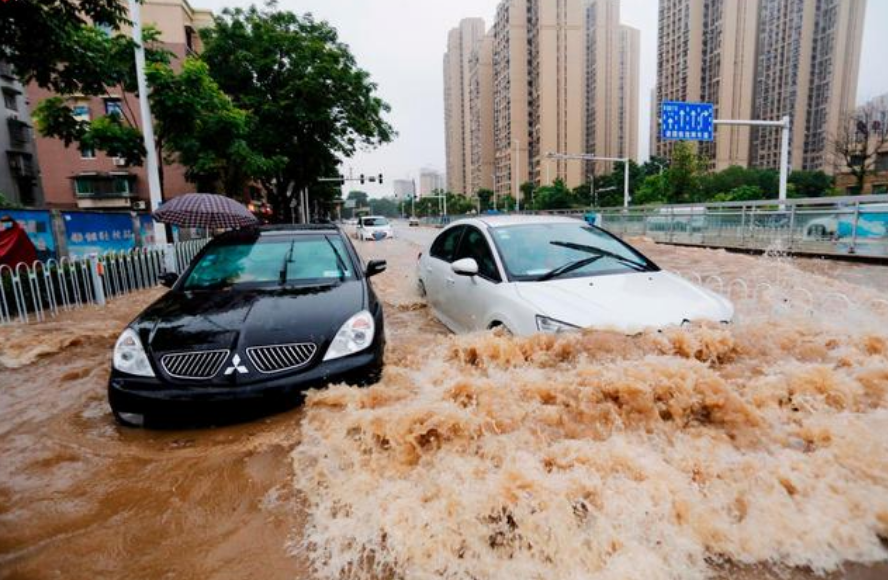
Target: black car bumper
(150, 397)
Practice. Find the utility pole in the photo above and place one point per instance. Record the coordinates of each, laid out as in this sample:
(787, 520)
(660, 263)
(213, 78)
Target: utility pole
(517, 174)
(151, 162)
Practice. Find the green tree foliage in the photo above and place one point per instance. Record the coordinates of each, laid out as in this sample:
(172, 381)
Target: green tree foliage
(811, 184)
(555, 196)
(654, 190)
(460, 204)
(360, 198)
(52, 42)
(199, 125)
(385, 206)
(311, 101)
(684, 174)
(7, 204)
(485, 197)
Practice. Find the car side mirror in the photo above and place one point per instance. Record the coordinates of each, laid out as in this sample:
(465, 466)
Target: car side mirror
(465, 267)
(168, 279)
(375, 267)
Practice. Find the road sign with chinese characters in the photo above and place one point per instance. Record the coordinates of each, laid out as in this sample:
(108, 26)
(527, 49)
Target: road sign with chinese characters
(686, 121)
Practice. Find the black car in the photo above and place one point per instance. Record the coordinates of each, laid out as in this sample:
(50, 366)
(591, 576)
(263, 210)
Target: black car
(259, 316)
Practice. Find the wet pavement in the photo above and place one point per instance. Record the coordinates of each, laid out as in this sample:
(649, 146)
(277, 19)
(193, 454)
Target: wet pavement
(483, 456)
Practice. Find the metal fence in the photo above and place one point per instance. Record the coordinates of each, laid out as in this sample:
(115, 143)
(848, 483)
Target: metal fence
(841, 226)
(31, 292)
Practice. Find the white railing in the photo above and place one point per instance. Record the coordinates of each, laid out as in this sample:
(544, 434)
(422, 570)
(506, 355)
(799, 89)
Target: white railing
(31, 292)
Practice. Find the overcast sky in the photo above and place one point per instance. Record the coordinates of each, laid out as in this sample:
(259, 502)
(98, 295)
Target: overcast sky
(401, 43)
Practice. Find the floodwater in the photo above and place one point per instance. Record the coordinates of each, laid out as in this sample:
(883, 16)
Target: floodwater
(751, 451)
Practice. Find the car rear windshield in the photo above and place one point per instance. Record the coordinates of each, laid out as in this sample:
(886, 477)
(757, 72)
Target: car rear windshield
(264, 262)
(374, 222)
(531, 251)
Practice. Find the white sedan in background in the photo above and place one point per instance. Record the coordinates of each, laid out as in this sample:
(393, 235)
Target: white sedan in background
(373, 228)
(533, 274)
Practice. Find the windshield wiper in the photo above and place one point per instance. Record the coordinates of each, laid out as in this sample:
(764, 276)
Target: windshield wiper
(342, 267)
(569, 267)
(288, 259)
(603, 254)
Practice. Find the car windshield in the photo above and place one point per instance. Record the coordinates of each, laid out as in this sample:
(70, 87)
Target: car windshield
(374, 222)
(297, 260)
(542, 251)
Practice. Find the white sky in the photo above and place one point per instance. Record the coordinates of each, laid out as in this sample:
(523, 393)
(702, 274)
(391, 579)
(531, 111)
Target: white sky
(402, 43)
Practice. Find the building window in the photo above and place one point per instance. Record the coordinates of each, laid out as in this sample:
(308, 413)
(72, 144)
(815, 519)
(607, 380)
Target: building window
(10, 99)
(104, 185)
(114, 107)
(87, 152)
(81, 112)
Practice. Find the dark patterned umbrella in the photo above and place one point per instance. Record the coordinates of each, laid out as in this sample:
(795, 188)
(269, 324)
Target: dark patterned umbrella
(204, 210)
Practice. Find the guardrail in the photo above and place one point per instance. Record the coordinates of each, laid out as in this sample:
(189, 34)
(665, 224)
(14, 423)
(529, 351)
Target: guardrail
(31, 292)
(854, 226)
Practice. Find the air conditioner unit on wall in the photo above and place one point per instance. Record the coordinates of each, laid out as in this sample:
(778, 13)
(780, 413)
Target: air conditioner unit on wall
(139, 205)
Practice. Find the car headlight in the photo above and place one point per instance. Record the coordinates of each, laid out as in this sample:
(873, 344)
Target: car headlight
(130, 357)
(552, 326)
(354, 336)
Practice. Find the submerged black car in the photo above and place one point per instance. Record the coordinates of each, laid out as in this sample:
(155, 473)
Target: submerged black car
(259, 316)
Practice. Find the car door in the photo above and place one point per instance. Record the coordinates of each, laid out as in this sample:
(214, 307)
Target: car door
(438, 275)
(473, 296)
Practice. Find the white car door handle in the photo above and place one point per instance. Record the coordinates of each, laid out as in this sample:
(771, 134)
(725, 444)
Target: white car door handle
(451, 281)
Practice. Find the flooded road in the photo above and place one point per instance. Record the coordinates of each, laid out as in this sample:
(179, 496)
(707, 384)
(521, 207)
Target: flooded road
(674, 455)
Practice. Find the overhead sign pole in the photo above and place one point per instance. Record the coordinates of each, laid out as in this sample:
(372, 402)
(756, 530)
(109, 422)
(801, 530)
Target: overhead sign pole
(151, 162)
(696, 122)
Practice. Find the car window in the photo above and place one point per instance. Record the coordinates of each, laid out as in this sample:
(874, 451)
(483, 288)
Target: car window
(445, 245)
(374, 222)
(532, 250)
(474, 245)
(264, 262)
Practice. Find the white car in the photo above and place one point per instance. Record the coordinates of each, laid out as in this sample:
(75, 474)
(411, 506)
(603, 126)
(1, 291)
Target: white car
(533, 274)
(373, 227)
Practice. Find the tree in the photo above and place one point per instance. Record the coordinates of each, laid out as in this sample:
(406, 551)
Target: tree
(360, 198)
(485, 198)
(860, 138)
(653, 190)
(312, 103)
(811, 184)
(684, 174)
(53, 43)
(385, 206)
(199, 125)
(555, 196)
(7, 204)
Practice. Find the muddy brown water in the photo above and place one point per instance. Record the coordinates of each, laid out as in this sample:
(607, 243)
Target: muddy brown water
(83, 498)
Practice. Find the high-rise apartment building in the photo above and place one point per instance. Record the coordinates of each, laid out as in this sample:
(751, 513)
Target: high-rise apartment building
(511, 128)
(557, 50)
(563, 78)
(481, 115)
(430, 182)
(461, 41)
(612, 60)
(762, 59)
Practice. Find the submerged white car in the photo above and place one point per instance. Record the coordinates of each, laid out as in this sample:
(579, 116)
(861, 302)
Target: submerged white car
(533, 274)
(373, 227)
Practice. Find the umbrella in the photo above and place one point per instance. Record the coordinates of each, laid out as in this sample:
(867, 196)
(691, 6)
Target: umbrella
(204, 210)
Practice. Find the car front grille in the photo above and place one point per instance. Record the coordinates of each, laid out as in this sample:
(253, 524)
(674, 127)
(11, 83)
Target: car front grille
(197, 365)
(281, 357)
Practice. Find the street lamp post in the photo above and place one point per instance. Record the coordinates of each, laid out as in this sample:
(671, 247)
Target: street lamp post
(151, 163)
(517, 144)
(589, 157)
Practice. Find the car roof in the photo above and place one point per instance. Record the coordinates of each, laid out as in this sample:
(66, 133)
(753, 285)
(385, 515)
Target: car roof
(498, 221)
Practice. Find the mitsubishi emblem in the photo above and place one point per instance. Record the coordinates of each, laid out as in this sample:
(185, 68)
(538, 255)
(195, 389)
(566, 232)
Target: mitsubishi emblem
(236, 366)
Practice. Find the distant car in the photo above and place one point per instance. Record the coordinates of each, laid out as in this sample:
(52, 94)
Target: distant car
(374, 228)
(413, 222)
(258, 317)
(532, 274)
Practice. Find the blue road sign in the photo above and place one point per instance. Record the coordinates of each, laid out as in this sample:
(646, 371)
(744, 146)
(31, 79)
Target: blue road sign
(686, 121)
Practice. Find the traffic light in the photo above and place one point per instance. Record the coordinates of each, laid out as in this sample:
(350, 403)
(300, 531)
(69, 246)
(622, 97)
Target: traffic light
(380, 179)
(362, 179)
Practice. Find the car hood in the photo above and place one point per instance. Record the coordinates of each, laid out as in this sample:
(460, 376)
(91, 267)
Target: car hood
(235, 320)
(626, 302)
